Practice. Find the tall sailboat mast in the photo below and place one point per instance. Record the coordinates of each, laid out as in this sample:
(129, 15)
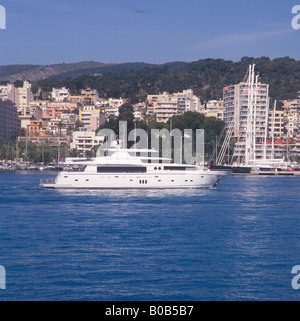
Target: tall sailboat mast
(273, 129)
(251, 118)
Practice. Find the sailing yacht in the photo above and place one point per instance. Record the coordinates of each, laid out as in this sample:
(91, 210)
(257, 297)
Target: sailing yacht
(256, 120)
(122, 170)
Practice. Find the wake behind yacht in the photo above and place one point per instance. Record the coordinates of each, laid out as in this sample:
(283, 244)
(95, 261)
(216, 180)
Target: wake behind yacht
(122, 170)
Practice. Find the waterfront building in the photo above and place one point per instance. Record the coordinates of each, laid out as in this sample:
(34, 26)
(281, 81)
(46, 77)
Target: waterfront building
(276, 125)
(236, 116)
(235, 100)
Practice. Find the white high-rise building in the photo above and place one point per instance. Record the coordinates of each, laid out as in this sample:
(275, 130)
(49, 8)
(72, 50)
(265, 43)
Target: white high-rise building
(236, 100)
(24, 97)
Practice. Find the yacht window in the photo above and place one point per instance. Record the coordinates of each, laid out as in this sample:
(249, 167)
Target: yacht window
(174, 168)
(121, 169)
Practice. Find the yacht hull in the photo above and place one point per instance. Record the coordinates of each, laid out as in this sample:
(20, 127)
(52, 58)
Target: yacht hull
(201, 179)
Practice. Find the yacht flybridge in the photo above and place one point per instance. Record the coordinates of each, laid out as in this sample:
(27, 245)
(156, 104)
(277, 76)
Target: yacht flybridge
(122, 170)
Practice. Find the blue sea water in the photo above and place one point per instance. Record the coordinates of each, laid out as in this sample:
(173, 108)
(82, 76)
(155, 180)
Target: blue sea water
(237, 242)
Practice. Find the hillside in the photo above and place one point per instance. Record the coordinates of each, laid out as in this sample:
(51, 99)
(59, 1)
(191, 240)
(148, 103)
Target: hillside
(206, 77)
(60, 71)
(36, 72)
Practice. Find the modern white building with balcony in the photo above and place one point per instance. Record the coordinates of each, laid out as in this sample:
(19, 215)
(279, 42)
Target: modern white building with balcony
(84, 140)
(60, 94)
(236, 102)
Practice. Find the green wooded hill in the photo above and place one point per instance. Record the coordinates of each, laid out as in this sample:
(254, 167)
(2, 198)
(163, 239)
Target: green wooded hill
(206, 77)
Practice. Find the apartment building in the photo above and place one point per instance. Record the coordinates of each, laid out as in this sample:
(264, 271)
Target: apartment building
(92, 117)
(214, 108)
(187, 101)
(8, 92)
(276, 125)
(89, 96)
(163, 105)
(85, 139)
(24, 97)
(167, 105)
(292, 117)
(235, 102)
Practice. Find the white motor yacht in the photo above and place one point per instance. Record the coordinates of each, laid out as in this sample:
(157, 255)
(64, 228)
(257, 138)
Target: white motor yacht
(122, 170)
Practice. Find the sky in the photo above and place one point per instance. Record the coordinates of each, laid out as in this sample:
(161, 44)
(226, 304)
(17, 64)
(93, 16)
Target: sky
(153, 31)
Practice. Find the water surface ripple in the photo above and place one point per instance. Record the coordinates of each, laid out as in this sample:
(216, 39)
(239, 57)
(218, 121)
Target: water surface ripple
(237, 242)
